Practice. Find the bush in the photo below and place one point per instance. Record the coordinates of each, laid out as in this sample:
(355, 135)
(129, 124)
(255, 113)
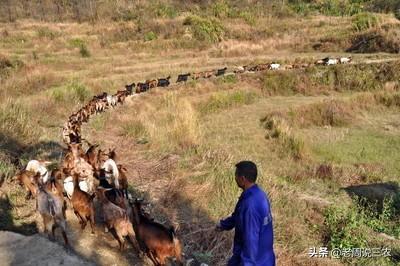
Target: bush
(45, 32)
(224, 100)
(73, 92)
(150, 36)
(203, 29)
(165, 11)
(220, 9)
(83, 50)
(343, 228)
(365, 21)
(17, 122)
(76, 43)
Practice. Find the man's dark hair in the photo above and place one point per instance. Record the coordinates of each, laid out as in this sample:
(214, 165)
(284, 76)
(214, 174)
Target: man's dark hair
(248, 169)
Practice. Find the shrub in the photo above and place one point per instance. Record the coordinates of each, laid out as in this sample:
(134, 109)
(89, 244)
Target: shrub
(165, 11)
(224, 100)
(364, 21)
(44, 32)
(84, 51)
(248, 17)
(76, 42)
(342, 228)
(279, 129)
(150, 36)
(203, 29)
(135, 129)
(280, 82)
(73, 92)
(220, 9)
(17, 122)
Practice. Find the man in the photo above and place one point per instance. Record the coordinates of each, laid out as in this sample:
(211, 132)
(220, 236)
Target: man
(252, 220)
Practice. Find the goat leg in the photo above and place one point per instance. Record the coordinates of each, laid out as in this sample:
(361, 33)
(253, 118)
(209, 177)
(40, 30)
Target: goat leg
(91, 221)
(150, 254)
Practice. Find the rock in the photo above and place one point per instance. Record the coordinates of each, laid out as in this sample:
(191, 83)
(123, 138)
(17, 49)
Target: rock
(17, 249)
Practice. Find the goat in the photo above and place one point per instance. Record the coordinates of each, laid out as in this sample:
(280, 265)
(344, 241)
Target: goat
(163, 82)
(129, 88)
(51, 208)
(82, 204)
(274, 66)
(116, 218)
(123, 180)
(152, 83)
(208, 74)
(345, 60)
(29, 180)
(142, 87)
(157, 241)
(55, 188)
(183, 77)
(331, 61)
(196, 76)
(69, 186)
(262, 67)
(92, 157)
(221, 72)
(111, 171)
(239, 70)
(112, 100)
(320, 61)
(38, 167)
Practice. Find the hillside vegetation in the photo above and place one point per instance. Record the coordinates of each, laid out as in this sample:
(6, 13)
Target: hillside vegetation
(325, 139)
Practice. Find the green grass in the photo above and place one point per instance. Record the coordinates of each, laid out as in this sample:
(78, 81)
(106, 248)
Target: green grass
(205, 29)
(362, 146)
(74, 92)
(224, 100)
(17, 123)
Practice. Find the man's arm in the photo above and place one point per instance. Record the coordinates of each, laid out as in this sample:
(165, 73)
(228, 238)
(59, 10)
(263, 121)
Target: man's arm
(251, 233)
(227, 223)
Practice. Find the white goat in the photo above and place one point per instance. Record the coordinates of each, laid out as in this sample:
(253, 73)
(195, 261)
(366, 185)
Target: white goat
(112, 100)
(274, 66)
(112, 172)
(69, 186)
(38, 167)
(345, 60)
(331, 61)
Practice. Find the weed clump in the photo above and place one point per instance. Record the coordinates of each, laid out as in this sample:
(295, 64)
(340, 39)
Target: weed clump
(204, 29)
(365, 21)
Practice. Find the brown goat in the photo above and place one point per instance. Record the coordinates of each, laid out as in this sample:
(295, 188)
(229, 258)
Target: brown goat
(152, 83)
(82, 204)
(29, 180)
(91, 156)
(156, 241)
(117, 218)
(123, 179)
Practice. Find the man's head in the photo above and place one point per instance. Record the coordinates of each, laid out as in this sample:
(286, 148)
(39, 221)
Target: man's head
(245, 174)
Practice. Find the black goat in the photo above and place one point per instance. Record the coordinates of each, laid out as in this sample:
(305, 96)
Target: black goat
(183, 77)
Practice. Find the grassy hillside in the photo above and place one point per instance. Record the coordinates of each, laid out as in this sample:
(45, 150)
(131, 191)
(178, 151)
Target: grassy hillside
(326, 140)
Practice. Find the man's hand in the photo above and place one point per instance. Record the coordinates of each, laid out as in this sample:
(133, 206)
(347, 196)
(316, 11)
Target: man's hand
(218, 227)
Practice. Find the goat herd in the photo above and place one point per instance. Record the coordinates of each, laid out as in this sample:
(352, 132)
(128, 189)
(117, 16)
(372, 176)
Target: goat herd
(83, 176)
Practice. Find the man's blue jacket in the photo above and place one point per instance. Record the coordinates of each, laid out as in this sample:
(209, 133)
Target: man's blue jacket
(252, 220)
